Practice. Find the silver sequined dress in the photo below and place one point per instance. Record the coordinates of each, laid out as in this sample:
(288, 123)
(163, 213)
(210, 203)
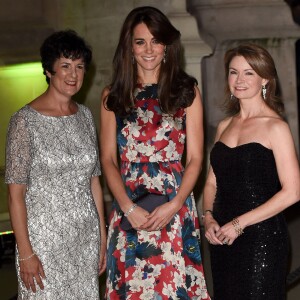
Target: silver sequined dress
(56, 158)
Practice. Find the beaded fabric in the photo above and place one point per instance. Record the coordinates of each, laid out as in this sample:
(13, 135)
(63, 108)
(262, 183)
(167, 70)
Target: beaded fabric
(254, 266)
(56, 157)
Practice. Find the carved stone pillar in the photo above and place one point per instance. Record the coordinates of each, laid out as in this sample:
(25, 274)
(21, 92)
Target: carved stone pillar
(194, 49)
(226, 23)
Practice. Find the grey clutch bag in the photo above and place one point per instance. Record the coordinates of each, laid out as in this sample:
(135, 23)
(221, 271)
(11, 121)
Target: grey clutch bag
(148, 202)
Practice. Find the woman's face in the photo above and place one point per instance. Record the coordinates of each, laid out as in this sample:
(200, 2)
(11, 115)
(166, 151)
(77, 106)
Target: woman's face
(243, 81)
(68, 76)
(147, 51)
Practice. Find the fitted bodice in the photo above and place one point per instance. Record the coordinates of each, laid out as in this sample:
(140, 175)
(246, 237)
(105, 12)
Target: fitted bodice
(246, 177)
(147, 134)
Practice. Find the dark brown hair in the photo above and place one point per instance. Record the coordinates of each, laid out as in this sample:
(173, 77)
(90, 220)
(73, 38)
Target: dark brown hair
(263, 64)
(175, 87)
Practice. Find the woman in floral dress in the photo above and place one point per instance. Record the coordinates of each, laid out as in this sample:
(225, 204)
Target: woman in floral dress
(151, 111)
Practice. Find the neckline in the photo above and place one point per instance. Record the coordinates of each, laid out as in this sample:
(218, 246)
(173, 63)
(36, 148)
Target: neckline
(146, 84)
(46, 116)
(243, 145)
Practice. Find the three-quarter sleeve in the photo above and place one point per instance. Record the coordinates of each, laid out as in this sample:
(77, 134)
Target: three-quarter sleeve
(18, 156)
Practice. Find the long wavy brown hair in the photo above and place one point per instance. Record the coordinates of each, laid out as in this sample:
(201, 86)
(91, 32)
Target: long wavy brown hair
(263, 64)
(175, 88)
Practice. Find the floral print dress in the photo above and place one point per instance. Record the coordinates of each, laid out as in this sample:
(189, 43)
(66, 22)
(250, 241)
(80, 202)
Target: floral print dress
(162, 264)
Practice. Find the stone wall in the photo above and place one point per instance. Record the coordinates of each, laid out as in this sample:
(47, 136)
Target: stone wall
(220, 24)
(23, 28)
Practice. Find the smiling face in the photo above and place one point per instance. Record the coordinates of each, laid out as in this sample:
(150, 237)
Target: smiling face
(243, 81)
(68, 76)
(147, 51)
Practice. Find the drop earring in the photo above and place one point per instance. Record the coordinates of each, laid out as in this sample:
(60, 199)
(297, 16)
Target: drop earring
(264, 91)
(133, 60)
(164, 58)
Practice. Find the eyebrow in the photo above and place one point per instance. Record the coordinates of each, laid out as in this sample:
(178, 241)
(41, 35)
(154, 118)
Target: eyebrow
(68, 63)
(231, 68)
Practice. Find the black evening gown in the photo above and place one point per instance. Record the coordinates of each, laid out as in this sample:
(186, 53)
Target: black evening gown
(254, 266)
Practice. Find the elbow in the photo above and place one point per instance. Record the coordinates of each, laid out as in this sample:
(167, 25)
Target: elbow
(293, 196)
(297, 195)
(107, 163)
(196, 163)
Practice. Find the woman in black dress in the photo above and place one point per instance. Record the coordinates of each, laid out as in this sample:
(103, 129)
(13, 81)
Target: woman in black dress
(254, 176)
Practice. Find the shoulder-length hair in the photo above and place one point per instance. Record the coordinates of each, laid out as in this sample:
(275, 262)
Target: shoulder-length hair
(263, 64)
(175, 87)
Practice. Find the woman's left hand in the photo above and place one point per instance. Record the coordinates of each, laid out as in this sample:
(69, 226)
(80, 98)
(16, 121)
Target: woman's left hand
(161, 216)
(102, 258)
(227, 234)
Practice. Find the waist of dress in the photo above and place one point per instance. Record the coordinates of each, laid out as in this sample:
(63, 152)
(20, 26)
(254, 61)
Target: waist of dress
(148, 160)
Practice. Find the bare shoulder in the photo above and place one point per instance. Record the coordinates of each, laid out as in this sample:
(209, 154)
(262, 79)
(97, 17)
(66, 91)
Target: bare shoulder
(276, 126)
(197, 91)
(279, 133)
(197, 99)
(224, 124)
(105, 93)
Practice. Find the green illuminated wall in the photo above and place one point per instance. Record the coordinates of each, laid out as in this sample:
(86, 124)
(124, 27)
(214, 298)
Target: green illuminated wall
(19, 84)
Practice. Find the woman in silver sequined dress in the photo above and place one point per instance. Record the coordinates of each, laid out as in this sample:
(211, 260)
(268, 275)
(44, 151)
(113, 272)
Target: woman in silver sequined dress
(52, 171)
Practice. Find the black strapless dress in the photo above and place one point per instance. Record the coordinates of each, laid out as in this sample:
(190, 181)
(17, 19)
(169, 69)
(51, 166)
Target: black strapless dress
(254, 266)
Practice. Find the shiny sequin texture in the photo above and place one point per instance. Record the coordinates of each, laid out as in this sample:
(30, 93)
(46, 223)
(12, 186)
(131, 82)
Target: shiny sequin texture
(56, 157)
(254, 267)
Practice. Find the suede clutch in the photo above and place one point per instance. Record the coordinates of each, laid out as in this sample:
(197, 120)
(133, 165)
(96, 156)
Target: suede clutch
(148, 202)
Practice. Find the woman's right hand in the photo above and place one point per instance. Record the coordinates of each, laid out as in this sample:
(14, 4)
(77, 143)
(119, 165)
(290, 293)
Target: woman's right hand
(32, 273)
(211, 227)
(138, 217)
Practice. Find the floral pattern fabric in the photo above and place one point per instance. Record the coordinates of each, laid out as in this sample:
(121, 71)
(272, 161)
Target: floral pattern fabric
(162, 264)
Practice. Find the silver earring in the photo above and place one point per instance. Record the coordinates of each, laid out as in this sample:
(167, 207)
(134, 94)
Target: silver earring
(133, 60)
(264, 91)
(231, 97)
(164, 58)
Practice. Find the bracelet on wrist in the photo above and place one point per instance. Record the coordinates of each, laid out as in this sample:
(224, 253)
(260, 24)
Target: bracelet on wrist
(207, 211)
(237, 227)
(26, 258)
(130, 210)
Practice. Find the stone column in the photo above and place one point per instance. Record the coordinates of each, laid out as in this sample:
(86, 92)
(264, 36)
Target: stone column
(194, 49)
(226, 23)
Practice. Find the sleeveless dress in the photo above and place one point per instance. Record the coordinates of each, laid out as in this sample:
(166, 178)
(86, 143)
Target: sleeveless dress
(162, 264)
(56, 157)
(254, 267)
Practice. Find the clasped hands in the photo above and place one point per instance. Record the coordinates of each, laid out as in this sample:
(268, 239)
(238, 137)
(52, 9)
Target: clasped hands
(141, 219)
(217, 235)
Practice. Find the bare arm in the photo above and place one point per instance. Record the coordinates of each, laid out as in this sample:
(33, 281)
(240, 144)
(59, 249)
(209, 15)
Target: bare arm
(32, 267)
(194, 156)
(194, 149)
(109, 161)
(98, 198)
(209, 193)
(288, 171)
